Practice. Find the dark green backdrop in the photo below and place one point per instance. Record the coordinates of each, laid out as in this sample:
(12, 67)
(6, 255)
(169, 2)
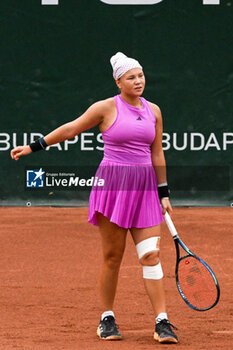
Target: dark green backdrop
(54, 64)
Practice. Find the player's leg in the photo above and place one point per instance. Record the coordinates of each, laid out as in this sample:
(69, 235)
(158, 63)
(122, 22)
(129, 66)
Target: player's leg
(113, 240)
(154, 287)
(147, 244)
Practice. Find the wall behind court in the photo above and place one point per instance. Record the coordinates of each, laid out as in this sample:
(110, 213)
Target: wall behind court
(55, 63)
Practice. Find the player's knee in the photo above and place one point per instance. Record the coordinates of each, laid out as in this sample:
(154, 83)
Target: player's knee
(113, 260)
(148, 251)
(148, 254)
(150, 259)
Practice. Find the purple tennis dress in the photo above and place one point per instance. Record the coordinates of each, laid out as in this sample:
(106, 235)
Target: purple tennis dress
(129, 196)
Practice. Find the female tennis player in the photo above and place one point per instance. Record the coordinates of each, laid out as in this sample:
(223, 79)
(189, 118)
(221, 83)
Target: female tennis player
(135, 194)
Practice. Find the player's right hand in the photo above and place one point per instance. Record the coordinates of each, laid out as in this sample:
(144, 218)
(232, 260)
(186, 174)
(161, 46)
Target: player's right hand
(20, 151)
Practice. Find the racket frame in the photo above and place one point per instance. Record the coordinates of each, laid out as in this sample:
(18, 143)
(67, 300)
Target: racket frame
(178, 242)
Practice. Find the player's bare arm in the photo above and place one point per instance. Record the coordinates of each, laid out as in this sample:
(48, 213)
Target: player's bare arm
(157, 155)
(94, 115)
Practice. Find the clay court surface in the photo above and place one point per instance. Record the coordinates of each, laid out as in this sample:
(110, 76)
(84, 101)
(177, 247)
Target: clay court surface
(49, 267)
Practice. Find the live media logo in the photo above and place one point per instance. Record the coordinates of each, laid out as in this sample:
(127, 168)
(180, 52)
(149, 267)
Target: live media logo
(35, 178)
(62, 180)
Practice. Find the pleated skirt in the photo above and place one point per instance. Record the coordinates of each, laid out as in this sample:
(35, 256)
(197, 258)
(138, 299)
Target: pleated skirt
(126, 194)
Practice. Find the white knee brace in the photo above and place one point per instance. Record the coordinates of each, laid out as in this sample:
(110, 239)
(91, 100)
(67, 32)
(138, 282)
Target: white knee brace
(148, 245)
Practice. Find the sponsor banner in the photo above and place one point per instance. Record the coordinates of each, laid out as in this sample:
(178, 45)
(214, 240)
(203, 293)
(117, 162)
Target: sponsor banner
(56, 65)
(88, 141)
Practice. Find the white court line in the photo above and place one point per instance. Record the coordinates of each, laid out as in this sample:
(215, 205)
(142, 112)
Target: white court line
(222, 332)
(49, 2)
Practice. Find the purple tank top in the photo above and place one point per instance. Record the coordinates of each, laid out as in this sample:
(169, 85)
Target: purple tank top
(129, 138)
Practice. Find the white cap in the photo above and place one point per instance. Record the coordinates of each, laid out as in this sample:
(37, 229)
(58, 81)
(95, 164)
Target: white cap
(122, 64)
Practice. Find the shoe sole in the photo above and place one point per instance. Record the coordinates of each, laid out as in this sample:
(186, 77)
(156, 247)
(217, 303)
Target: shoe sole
(111, 337)
(164, 340)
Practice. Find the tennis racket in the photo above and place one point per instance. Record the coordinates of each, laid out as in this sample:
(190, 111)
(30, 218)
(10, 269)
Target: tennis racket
(196, 282)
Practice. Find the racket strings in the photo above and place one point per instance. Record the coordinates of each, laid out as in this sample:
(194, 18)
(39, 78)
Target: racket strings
(197, 283)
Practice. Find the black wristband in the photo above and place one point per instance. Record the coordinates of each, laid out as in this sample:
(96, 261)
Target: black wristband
(38, 145)
(163, 191)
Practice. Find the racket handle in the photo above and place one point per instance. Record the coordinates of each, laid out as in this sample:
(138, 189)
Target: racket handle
(170, 225)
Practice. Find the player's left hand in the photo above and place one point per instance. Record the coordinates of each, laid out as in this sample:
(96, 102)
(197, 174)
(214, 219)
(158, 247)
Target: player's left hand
(166, 206)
